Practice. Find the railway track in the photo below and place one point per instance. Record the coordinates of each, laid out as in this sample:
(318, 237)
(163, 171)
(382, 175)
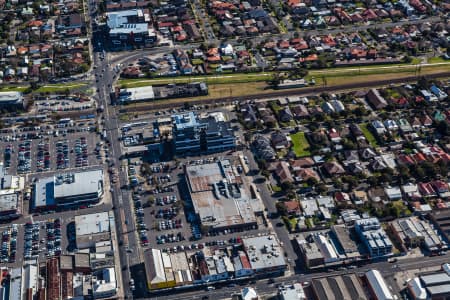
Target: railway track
(164, 104)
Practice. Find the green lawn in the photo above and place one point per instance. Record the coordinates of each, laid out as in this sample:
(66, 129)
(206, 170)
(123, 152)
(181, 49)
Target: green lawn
(13, 89)
(300, 144)
(368, 135)
(436, 59)
(291, 223)
(51, 88)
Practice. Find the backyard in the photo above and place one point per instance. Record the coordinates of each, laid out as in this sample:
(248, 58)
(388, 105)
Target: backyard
(300, 144)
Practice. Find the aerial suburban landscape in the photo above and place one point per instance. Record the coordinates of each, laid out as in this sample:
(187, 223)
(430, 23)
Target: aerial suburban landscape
(225, 149)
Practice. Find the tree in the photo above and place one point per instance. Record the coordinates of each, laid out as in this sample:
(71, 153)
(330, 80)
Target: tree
(443, 128)
(287, 186)
(281, 208)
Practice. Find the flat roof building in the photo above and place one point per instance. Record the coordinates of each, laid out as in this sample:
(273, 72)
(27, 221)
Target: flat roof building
(129, 95)
(68, 189)
(265, 254)
(292, 292)
(130, 27)
(11, 100)
(343, 236)
(195, 135)
(104, 283)
(92, 228)
(374, 237)
(10, 206)
(310, 253)
(220, 197)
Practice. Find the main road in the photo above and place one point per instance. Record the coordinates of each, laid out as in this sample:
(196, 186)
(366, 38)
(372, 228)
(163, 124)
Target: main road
(123, 212)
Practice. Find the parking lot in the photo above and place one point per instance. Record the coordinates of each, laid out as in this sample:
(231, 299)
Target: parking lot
(164, 219)
(50, 153)
(42, 239)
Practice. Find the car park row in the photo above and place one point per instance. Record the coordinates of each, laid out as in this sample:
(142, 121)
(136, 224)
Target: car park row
(9, 244)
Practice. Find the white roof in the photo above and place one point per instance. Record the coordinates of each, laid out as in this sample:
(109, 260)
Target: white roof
(378, 285)
(107, 283)
(159, 267)
(417, 289)
(136, 94)
(249, 293)
(446, 268)
(92, 223)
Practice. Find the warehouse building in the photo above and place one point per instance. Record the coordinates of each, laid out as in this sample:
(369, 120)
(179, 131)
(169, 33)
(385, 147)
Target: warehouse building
(377, 285)
(220, 197)
(339, 287)
(68, 190)
(437, 285)
(158, 274)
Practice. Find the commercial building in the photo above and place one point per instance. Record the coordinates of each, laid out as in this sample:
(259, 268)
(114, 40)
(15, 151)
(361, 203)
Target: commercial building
(339, 287)
(104, 283)
(413, 232)
(53, 279)
(10, 199)
(343, 236)
(194, 135)
(10, 206)
(292, 292)
(437, 285)
(416, 289)
(378, 287)
(129, 28)
(373, 237)
(310, 253)
(130, 95)
(29, 281)
(220, 197)
(148, 93)
(11, 100)
(265, 254)
(92, 228)
(158, 277)
(68, 190)
(441, 219)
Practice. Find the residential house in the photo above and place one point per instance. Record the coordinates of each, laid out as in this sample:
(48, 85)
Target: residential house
(305, 174)
(441, 187)
(426, 189)
(285, 115)
(378, 127)
(279, 140)
(375, 99)
(292, 207)
(334, 136)
(333, 168)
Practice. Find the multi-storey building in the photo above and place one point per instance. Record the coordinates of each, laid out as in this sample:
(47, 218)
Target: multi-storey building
(194, 135)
